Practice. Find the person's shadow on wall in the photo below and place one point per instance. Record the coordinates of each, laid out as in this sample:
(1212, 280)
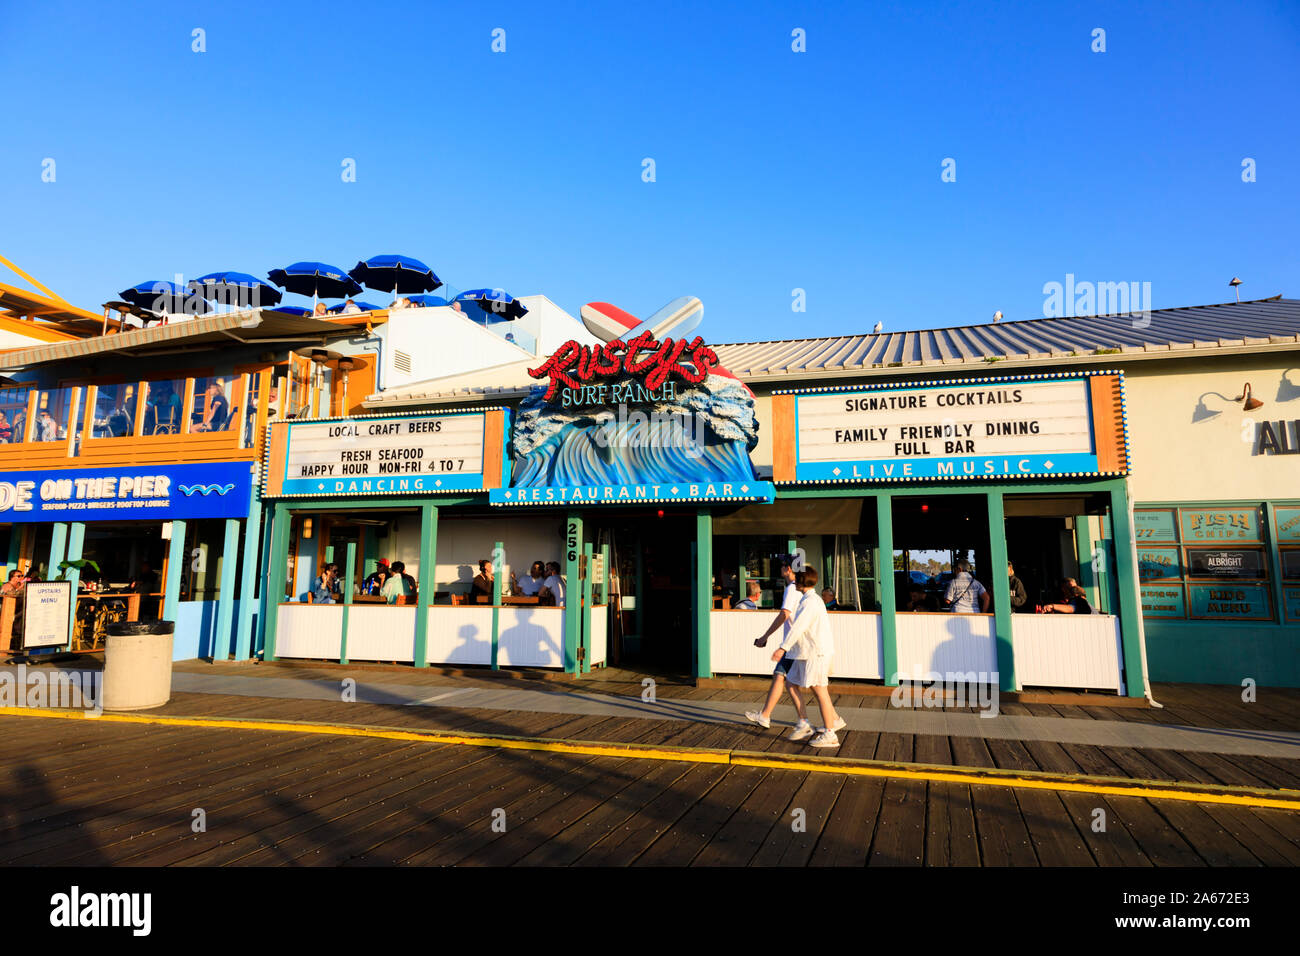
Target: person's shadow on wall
(532, 638)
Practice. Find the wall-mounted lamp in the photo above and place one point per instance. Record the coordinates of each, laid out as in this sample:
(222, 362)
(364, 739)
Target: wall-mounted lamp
(306, 527)
(1251, 402)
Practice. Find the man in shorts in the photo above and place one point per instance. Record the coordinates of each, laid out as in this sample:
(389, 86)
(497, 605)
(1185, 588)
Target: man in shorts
(812, 644)
(784, 617)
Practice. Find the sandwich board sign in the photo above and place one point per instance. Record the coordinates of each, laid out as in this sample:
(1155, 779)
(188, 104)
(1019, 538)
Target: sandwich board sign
(47, 614)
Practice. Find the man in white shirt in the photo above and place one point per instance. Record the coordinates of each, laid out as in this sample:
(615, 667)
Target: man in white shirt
(965, 595)
(531, 582)
(789, 604)
(812, 644)
(553, 586)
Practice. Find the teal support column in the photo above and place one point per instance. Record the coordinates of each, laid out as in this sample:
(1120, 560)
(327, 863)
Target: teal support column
(329, 554)
(587, 589)
(76, 540)
(498, 562)
(741, 571)
(1126, 581)
(1274, 560)
(276, 575)
(572, 592)
(369, 550)
(58, 548)
(791, 546)
(15, 547)
(1089, 565)
(226, 596)
(885, 586)
(429, 577)
(1001, 593)
(349, 572)
(175, 563)
(248, 582)
(703, 593)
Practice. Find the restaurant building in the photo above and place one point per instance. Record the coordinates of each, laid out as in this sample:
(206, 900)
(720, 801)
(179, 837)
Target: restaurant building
(1124, 452)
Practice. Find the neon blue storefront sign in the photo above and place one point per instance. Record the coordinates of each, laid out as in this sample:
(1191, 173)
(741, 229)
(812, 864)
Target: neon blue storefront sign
(156, 492)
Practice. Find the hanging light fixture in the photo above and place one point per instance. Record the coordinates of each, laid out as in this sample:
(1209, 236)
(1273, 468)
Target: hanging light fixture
(1250, 401)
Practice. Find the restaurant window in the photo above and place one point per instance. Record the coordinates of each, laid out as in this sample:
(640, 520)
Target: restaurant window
(115, 407)
(247, 416)
(162, 406)
(13, 414)
(204, 557)
(1203, 564)
(54, 414)
(214, 405)
(131, 556)
(933, 538)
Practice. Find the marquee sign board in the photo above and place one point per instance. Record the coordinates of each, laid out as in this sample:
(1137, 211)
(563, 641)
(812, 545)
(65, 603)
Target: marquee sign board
(1036, 426)
(440, 453)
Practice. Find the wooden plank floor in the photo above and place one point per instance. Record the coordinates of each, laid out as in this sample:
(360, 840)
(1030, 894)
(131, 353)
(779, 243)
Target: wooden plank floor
(86, 792)
(922, 748)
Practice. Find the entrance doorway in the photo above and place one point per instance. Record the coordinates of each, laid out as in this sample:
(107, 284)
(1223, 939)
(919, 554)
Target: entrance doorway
(656, 572)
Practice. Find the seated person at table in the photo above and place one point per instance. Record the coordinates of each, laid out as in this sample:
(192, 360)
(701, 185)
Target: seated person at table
(482, 583)
(828, 598)
(399, 584)
(551, 592)
(6, 430)
(531, 582)
(916, 600)
(320, 309)
(1072, 600)
(14, 586)
(374, 584)
(163, 412)
(326, 585)
(47, 429)
(218, 410)
(350, 308)
(753, 594)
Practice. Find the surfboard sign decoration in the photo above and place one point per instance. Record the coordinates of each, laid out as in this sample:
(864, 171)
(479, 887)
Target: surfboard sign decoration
(608, 322)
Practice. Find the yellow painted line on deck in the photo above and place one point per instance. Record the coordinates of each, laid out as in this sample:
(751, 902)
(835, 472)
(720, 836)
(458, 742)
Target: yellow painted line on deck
(1280, 799)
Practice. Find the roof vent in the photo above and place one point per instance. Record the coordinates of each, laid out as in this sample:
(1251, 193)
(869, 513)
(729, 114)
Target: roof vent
(402, 361)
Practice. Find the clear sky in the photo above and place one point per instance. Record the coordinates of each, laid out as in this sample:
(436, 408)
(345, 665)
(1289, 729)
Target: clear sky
(774, 170)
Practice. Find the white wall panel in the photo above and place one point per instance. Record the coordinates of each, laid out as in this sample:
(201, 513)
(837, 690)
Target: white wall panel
(1067, 650)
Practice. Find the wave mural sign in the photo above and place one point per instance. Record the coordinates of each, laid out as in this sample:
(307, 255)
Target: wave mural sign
(151, 493)
(644, 417)
(1035, 426)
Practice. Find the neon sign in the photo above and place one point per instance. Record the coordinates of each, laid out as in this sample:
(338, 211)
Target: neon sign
(574, 366)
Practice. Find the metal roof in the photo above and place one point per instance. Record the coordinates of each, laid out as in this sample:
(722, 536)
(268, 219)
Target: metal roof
(1187, 332)
(181, 335)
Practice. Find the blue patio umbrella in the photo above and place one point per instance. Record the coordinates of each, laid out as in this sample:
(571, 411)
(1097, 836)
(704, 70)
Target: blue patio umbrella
(316, 279)
(363, 306)
(165, 297)
(292, 310)
(397, 274)
(236, 288)
(428, 300)
(495, 302)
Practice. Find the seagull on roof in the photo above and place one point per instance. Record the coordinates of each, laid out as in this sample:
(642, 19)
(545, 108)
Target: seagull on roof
(997, 316)
(875, 329)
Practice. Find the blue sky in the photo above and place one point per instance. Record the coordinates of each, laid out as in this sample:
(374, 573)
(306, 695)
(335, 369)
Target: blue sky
(775, 170)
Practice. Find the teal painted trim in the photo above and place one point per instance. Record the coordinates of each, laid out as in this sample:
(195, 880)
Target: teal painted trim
(349, 573)
(175, 562)
(248, 582)
(76, 541)
(226, 599)
(741, 570)
(369, 550)
(1089, 566)
(587, 587)
(364, 504)
(1274, 560)
(572, 607)
(15, 546)
(498, 564)
(276, 576)
(885, 585)
(1001, 593)
(1126, 576)
(704, 593)
(791, 546)
(960, 488)
(58, 548)
(429, 572)
(329, 554)
(637, 620)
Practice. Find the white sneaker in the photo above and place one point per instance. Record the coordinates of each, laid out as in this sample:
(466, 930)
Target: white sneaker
(840, 724)
(826, 738)
(802, 731)
(758, 718)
